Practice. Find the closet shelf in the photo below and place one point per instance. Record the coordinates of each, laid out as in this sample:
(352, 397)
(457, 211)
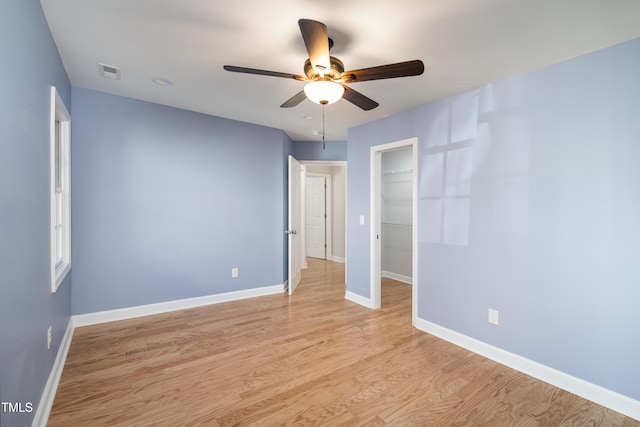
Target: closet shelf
(395, 224)
(397, 171)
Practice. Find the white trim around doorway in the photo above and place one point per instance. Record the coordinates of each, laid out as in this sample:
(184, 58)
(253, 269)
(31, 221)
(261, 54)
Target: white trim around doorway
(376, 223)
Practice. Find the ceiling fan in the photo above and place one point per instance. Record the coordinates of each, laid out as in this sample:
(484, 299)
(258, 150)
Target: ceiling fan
(325, 75)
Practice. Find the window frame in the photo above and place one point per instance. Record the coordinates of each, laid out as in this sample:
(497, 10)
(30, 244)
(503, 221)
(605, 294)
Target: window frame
(60, 190)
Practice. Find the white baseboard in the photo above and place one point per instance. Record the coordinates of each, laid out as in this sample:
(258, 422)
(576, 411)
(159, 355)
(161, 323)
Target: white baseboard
(164, 307)
(600, 395)
(399, 277)
(49, 393)
(337, 259)
(365, 302)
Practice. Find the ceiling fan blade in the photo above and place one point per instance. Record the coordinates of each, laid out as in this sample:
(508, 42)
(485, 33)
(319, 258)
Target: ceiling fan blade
(246, 70)
(294, 100)
(358, 99)
(389, 71)
(316, 39)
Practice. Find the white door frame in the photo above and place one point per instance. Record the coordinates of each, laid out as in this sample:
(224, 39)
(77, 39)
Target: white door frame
(346, 171)
(376, 222)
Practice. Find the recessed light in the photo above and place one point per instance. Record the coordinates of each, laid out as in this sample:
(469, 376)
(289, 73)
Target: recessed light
(307, 117)
(162, 81)
(315, 132)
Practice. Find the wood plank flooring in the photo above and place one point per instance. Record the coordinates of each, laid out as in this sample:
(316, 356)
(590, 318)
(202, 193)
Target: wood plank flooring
(310, 359)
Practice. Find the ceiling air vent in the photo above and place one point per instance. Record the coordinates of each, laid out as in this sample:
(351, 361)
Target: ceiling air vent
(109, 72)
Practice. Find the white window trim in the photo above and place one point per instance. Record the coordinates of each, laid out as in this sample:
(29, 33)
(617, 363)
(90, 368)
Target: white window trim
(60, 269)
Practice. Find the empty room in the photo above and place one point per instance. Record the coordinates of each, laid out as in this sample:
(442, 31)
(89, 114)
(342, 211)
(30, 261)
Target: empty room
(329, 213)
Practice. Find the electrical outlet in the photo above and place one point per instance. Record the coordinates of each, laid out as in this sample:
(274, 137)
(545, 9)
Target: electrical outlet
(493, 316)
(234, 272)
(49, 338)
(361, 219)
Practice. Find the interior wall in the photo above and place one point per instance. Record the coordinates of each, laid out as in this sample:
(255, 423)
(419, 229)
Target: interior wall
(314, 150)
(397, 212)
(166, 202)
(528, 204)
(31, 65)
(339, 203)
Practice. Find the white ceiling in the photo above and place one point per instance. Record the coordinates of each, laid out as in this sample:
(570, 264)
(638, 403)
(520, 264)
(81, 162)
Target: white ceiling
(463, 43)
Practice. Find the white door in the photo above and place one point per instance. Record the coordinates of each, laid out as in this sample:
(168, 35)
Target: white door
(316, 217)
(295, 219)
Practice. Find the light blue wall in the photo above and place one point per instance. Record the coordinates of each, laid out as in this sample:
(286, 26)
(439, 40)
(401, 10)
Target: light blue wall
(166, 202)
(529, 204)
(313, 150)
(30, 65)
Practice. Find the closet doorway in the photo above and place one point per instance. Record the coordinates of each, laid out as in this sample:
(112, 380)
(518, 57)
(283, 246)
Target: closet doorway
(396, 214)
(394, 242)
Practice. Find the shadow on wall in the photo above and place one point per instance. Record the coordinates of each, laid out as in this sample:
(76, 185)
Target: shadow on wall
(457, 144)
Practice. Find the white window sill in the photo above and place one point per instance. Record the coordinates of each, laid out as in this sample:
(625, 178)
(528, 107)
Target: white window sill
(60, 274)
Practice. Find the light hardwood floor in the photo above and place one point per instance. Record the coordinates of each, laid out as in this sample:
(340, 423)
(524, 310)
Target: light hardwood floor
(310, 359)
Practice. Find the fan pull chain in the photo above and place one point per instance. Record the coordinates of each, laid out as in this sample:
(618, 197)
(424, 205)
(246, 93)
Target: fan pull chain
(323, 146)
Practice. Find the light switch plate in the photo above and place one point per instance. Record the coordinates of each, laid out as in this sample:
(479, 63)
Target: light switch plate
(493, 316)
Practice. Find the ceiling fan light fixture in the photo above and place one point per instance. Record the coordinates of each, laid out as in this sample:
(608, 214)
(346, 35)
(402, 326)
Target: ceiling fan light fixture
(324, 91)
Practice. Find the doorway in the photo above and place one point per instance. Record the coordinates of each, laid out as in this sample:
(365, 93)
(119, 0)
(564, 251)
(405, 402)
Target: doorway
(335, 173)
(336, 215)
(401, 221)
